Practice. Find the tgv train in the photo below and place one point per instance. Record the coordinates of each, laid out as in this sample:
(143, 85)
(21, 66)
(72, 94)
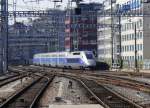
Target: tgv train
(77, 59)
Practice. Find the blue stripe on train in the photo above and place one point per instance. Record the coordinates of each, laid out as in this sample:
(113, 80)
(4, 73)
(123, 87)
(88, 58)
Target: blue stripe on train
(56, 60)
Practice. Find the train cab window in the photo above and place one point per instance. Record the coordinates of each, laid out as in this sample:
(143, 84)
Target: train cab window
(89, 56)
(76, 53)
(73, 60)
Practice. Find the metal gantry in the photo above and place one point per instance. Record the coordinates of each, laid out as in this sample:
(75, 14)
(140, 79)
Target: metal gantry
(49, 13)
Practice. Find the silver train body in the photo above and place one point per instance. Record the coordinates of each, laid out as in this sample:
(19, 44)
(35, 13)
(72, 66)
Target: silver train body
(77, 59)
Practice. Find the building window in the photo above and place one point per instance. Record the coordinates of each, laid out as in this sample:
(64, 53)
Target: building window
(132, 36)
(141, 47)
(141, 23)
(132, 47)
(141, 35)
(133, 25)
(138, 47)
(137, 24)
(125, 27)
(122, 48)
(137, 35)
(129, 26)
(141, 57)
(122, 37)
(130, 58)
(129, 37)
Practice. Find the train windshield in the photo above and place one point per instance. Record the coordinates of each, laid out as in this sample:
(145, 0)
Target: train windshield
(89, 56)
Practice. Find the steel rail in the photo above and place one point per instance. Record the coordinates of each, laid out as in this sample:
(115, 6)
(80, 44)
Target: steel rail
(111, 77)
(130, 83)
(119, 96)
(7, 77)
(33, 105)
(13, 97)
(138, 106)
(11, 79)
(97, 98)
(36, 97)
(110, 80)
(95, 78)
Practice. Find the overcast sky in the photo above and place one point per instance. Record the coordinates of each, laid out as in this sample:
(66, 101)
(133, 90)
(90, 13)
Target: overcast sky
(34, 5)
(42, 5)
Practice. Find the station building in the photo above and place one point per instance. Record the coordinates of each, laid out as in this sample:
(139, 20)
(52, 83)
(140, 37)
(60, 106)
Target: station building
(137, 25)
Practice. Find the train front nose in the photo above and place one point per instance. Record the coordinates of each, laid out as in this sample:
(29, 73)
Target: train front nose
(91, 63)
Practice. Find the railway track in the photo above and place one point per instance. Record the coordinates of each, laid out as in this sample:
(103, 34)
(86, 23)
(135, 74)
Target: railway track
(28, 96)
(100, 77)
(98, 80)
(10, 79)
(107, 78)
(5, 77)
(119, 73)
(106, 97)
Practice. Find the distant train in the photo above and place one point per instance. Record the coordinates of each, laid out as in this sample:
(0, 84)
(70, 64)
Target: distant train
(77, 59)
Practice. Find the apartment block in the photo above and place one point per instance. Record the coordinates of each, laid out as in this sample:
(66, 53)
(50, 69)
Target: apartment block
(133, 23)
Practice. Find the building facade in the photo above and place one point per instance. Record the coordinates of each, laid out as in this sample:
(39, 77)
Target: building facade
(133, 28)
(81, 28)
(45, 34)
(104, 33)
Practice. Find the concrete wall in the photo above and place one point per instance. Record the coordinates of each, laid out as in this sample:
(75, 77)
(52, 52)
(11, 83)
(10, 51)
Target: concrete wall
(146, 29)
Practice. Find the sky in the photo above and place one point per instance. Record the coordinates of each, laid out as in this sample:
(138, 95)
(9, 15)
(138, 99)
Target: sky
(41, 5)
(33, 5)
